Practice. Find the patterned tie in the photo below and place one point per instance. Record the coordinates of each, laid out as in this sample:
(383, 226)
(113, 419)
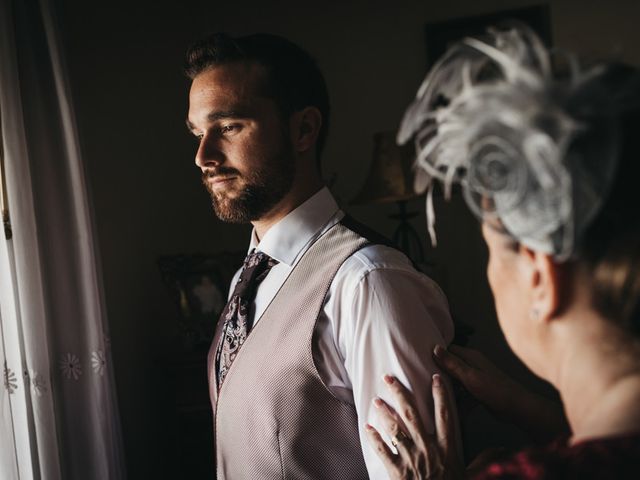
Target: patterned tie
(235, 314)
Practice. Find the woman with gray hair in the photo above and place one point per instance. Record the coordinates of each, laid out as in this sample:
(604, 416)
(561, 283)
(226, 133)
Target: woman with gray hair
(549, 162)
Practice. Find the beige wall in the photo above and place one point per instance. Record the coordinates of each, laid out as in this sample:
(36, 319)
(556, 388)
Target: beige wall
(125, 58)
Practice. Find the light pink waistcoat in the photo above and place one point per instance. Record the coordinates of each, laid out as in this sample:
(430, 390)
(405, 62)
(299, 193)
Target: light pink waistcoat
(274, 418)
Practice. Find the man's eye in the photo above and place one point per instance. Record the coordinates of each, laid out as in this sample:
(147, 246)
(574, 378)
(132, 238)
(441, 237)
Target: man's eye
(229, 128)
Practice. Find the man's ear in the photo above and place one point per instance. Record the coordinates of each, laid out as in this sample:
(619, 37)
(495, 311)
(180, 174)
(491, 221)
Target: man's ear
(305, 128)
(545, 283)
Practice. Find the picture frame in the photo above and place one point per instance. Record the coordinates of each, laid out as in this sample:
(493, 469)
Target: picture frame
(198, 285)
(439, 36)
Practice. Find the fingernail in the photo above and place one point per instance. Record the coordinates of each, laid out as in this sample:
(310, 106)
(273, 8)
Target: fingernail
(368, 426)
(377, 402)
(437, 381)
(438, 350)
(388, 379)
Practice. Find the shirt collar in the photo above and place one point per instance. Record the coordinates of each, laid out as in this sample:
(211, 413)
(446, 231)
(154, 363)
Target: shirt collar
(288, 238)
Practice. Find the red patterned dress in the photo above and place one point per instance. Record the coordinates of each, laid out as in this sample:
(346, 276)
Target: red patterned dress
(616, 458)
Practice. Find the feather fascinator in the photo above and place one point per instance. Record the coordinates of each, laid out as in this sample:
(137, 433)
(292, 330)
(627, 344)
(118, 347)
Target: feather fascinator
(493, 116)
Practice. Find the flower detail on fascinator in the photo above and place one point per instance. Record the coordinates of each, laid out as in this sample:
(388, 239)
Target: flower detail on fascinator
(491, 116)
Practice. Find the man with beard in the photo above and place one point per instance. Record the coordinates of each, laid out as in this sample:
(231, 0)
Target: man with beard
(320, 310)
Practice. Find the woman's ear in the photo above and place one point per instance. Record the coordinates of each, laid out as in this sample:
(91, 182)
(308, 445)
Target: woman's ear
(545, 283)
(305, 128)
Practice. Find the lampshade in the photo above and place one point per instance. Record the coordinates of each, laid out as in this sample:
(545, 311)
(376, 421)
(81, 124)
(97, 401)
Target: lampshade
(390, 177)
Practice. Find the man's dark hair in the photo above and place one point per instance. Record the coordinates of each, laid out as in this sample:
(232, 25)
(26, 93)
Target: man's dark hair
(294, 80)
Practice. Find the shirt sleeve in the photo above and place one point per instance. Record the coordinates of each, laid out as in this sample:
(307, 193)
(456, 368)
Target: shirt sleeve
(390, 319)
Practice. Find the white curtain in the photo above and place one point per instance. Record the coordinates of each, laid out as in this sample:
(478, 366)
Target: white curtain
(58, 410)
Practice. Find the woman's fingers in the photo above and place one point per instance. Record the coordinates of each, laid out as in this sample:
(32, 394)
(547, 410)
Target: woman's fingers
(406, 407)
(474, 379)
(442, 406)
(469, 355)
(472, 357)
(452, 364)
(394, 426)
(482, 379)
(389, 459)
(420, 455)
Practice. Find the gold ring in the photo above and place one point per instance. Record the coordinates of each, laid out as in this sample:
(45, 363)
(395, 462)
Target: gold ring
(399, 438)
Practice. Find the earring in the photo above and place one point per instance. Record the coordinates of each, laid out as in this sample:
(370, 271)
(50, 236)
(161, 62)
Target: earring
(534, 313)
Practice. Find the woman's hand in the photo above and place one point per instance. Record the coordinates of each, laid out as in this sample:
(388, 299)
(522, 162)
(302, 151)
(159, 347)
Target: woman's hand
(542, 418)
(420, 455)
(481, 378)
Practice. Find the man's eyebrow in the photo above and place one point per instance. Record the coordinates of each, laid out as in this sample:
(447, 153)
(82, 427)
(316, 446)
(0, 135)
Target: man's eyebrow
(219, 115)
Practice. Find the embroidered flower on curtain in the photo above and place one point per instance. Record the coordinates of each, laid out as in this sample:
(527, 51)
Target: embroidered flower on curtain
(38, 383)
(70, 366)
(98, 362)
(10, 380)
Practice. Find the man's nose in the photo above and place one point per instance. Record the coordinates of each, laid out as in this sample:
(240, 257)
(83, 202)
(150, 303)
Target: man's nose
(208, 153)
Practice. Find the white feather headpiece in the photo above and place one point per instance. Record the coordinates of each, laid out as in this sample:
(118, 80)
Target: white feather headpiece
(491, 116)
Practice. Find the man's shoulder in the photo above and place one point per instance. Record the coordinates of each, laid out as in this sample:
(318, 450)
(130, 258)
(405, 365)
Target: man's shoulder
(376, 256)
(378, 253)
(379, 267)
(373, 236)
(380, 262)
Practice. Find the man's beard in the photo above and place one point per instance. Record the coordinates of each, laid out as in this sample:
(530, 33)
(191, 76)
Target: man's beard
(263, 189)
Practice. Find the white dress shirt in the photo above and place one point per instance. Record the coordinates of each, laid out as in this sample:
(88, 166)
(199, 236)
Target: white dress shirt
(380, 316)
